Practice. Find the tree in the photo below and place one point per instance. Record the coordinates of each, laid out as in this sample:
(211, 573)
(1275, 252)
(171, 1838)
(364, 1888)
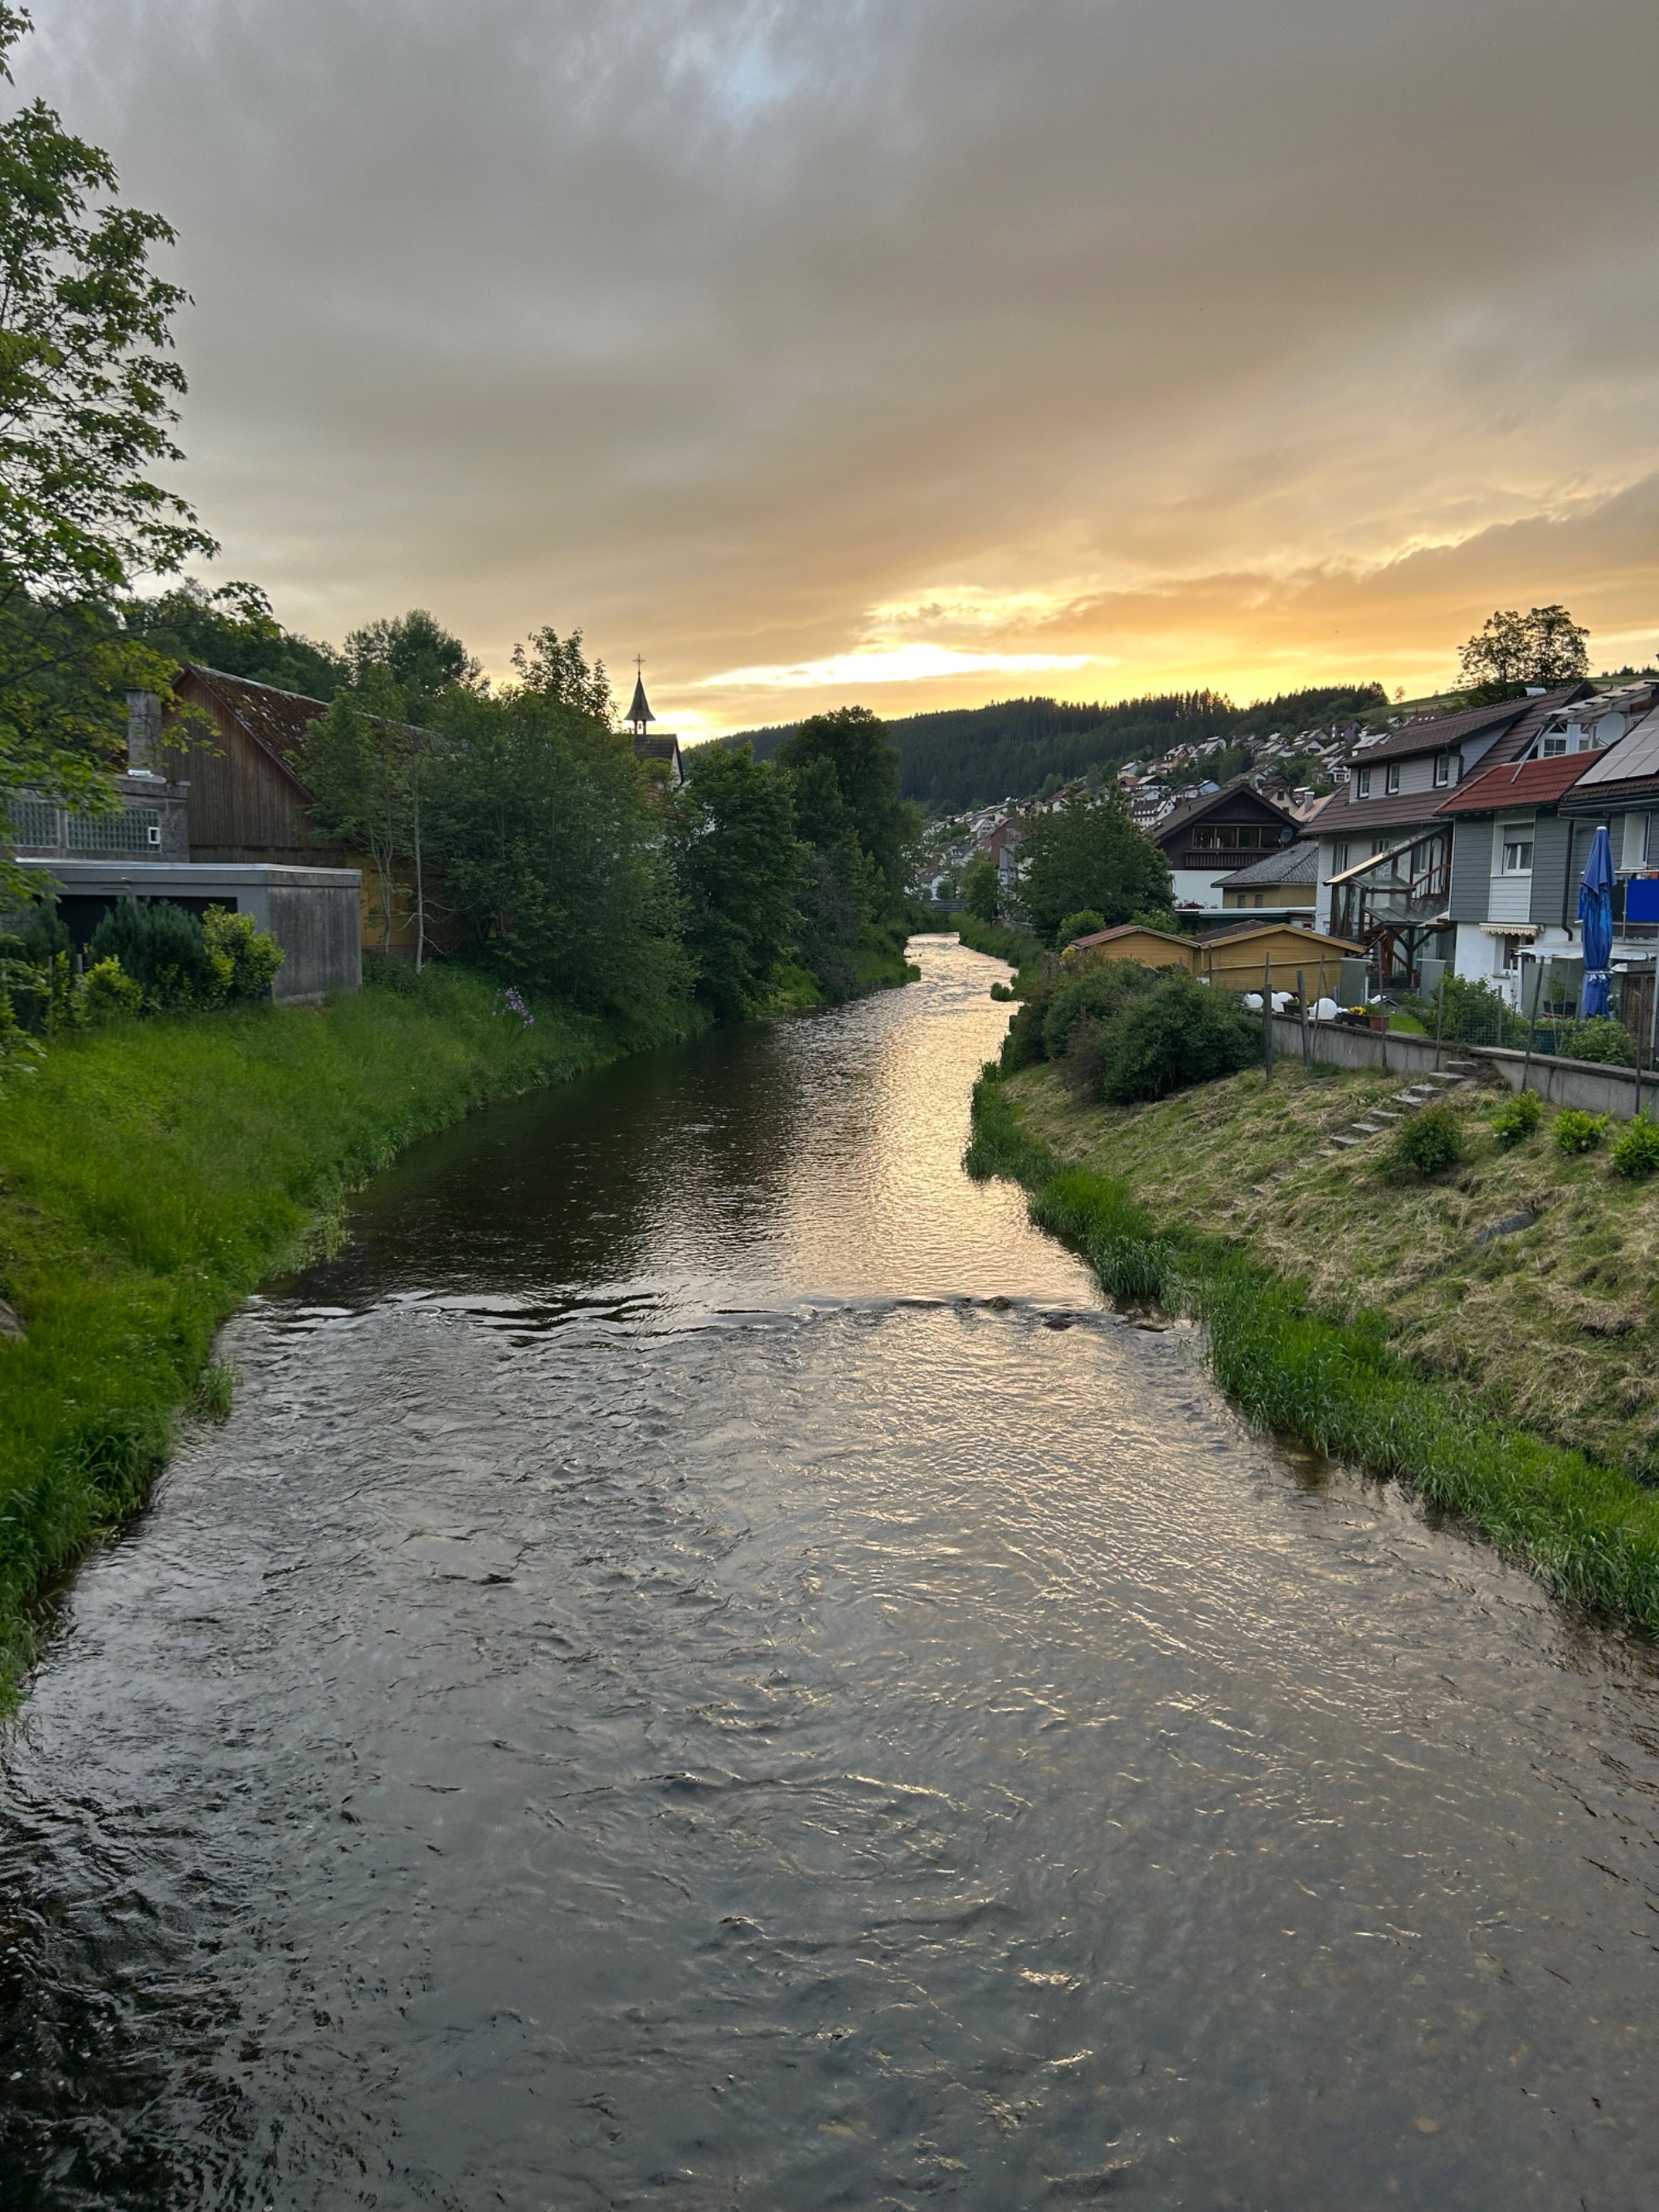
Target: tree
(840, 889)
(1511, 650)
(356, 759)
(234, 629)
(403, 671)
(981, 887)
(88, 387)
(856, 744)
(551, 847)
(1089, 853)
(414, 653)
(738, 867)
(557, 668)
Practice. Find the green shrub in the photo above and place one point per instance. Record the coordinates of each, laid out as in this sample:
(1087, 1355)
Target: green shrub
(1516, 1118)
(107, 992)
(161, 946)
(1178, 1033)
(248, 957)
(1003, 993)
(1579, 1133)
(1431, 1142)
(1600, 1039)
(1084, 923)
(1470, 1012)
(1092, 988)
(1635, 1151)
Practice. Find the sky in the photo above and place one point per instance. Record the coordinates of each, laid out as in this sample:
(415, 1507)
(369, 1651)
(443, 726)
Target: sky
(914, 353)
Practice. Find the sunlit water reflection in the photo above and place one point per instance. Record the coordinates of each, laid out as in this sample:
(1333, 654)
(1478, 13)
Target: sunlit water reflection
(669, 1690)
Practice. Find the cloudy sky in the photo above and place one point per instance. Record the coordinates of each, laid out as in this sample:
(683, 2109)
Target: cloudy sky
(918, 352)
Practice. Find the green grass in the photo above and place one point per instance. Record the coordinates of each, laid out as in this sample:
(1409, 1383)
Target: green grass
(154, 1172)
(1589, 1531)
(1017, 946)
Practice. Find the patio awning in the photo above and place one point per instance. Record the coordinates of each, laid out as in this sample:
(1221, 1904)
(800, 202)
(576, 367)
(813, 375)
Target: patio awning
(1508, 928)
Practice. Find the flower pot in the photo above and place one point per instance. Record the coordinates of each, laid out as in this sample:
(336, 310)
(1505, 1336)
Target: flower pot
(1378, 1022)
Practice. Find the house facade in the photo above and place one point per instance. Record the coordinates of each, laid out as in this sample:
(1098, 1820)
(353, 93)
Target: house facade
(213, 812)
(1211, 837)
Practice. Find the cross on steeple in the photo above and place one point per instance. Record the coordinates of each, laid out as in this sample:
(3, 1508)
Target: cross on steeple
(639, 712)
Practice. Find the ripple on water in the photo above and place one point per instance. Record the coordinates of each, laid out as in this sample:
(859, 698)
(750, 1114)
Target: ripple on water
(740, 1709)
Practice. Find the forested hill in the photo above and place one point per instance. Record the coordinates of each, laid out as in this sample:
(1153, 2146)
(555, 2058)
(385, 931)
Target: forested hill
(974, 755)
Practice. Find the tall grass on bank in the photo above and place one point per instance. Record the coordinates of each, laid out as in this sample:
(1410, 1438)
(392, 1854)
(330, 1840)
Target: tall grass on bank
(1590, 1532)
(1017, 946)
(153, 1173)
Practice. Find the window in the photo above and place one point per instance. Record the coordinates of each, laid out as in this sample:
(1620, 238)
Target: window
(1552, 746)
(1442, 770)
(1517, 849)
(1365, 781)
(1391, 777)
(1260, 897)
(1340, 858)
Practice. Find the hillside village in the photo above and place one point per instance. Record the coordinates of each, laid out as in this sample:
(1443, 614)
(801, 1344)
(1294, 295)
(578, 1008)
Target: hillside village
(1434, 838)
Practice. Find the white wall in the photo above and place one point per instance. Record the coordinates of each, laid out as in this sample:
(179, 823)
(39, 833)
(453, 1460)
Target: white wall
(1197, 887)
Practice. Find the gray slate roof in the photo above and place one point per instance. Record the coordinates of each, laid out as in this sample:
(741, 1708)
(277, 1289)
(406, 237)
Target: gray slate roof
(1291, 864)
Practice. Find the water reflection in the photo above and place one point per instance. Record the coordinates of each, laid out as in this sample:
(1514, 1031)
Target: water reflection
(663, 1691)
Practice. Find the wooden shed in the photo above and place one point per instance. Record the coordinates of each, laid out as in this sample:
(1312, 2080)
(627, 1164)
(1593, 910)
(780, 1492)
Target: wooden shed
(1132, 940)
(247, 800)
(1235, 959)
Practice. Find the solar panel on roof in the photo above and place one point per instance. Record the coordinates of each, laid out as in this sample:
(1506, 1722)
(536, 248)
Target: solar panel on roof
(1638, 755)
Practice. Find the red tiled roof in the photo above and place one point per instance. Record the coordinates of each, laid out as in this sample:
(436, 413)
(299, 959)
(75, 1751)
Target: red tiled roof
(1532, 783)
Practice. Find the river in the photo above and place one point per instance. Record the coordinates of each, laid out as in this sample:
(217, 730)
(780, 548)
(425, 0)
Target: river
(706, 1669)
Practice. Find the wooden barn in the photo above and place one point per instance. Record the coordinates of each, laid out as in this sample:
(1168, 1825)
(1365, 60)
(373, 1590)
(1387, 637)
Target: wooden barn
(247, 799)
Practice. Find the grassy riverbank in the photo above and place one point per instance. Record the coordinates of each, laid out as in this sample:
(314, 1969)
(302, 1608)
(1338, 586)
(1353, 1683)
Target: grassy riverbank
(1358, 1312)
(154, 1173)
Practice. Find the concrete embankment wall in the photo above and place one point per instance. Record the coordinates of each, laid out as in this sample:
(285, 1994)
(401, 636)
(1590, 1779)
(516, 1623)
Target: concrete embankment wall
(1581, 1083)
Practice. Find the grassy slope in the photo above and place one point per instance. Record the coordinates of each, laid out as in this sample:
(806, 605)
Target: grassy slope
(1556, 1327)
(154, 1173)
(1173, 1217)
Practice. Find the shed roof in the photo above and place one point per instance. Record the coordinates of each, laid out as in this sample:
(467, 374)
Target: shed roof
(1214, 939)
(1123, 929)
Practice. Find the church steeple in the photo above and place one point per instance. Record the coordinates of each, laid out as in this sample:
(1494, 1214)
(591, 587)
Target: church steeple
(639, 712)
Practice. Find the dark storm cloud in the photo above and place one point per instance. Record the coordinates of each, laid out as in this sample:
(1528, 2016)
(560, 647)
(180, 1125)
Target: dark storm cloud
(908, 336)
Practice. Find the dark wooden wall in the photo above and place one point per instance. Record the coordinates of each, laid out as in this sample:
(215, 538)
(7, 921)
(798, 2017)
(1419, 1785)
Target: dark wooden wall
(243, 806)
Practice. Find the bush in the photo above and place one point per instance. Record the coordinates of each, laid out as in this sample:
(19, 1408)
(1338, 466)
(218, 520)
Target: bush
(161, 946)
(1579, 1133)
(1095, 988)
(248, 957)
(1431, 1142)
(1003, 993)
(1635, 1151)
(1600, 1039)
(1473, 1013)
(1517, 1119)
(1172, 1036)
(107, 992)
(1084, 923)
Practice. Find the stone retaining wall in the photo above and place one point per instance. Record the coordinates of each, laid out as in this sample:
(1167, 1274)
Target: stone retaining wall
(1581, 1083)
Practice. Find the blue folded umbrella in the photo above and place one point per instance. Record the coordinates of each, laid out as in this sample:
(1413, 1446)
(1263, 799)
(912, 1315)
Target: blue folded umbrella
(1595, 918)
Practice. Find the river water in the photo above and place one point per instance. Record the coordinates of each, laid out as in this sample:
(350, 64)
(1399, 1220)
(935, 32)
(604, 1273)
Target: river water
(705, 1669)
